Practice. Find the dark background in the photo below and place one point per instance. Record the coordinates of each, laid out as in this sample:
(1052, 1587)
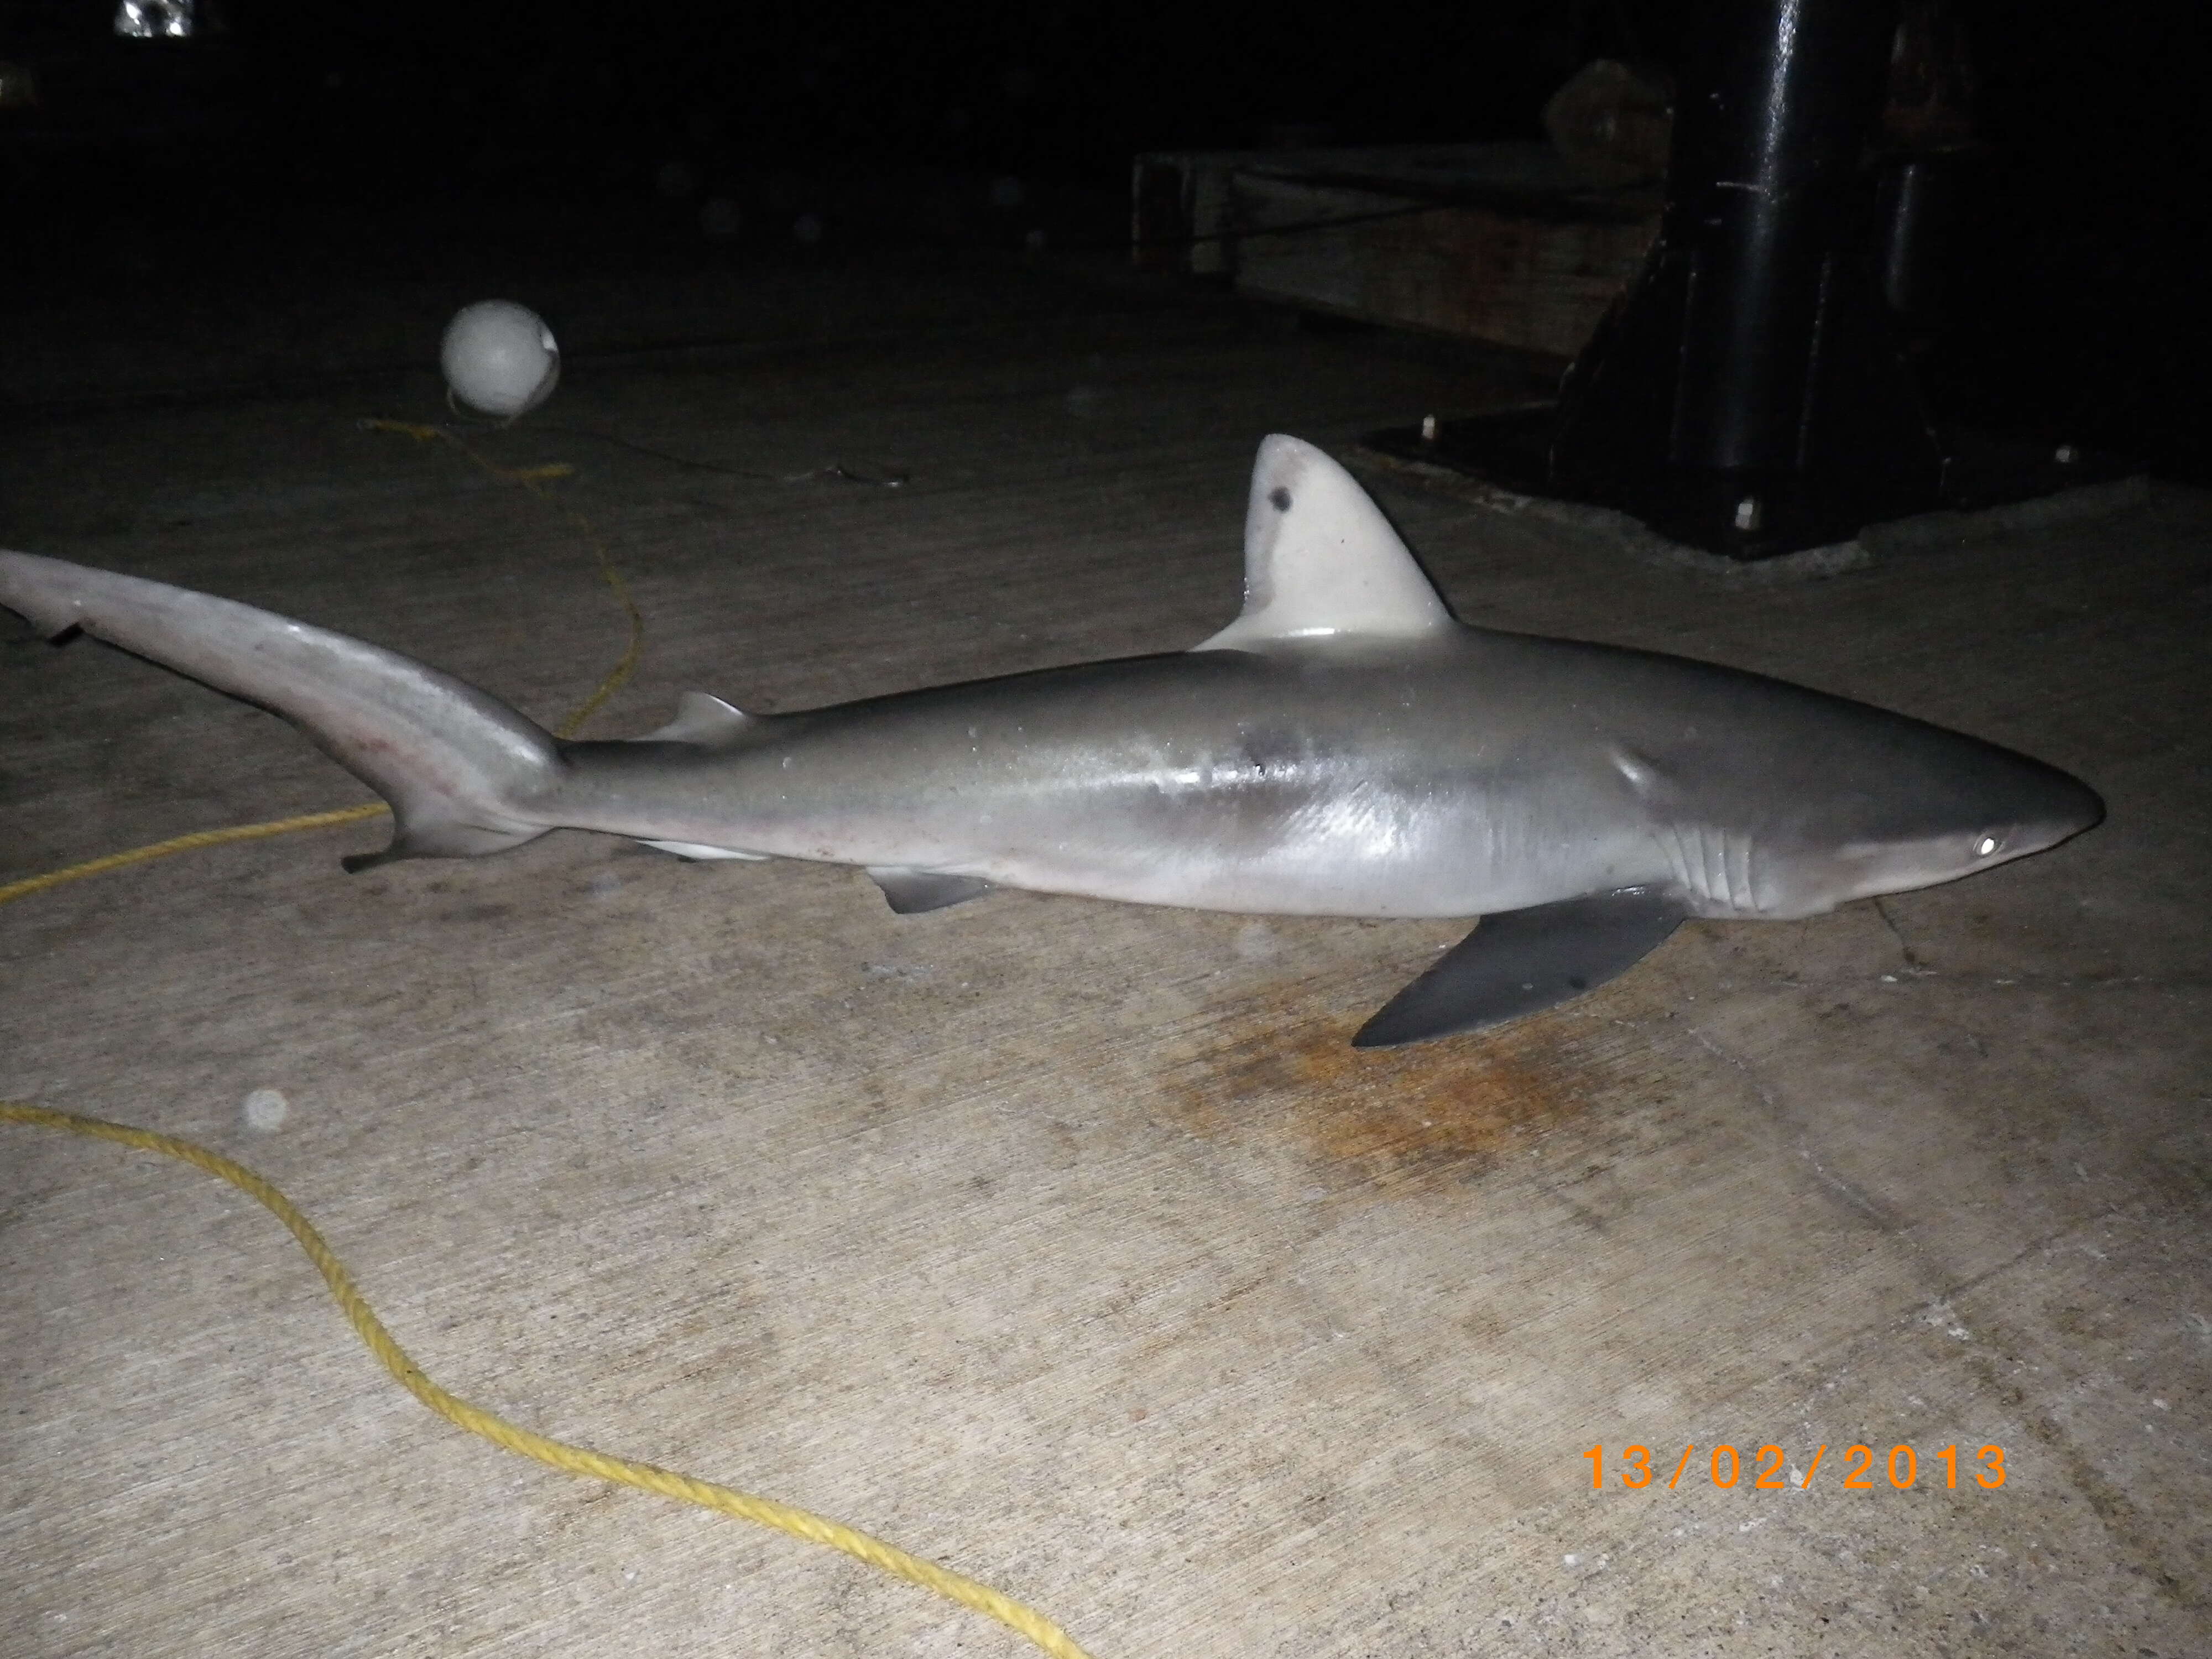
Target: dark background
(2076, 290)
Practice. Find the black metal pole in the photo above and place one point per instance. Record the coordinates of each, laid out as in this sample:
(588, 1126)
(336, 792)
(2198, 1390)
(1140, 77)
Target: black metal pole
(1748, 395)
(1767, 152)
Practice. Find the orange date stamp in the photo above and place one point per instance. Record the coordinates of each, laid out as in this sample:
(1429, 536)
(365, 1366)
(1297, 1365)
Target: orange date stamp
(1768, 1469)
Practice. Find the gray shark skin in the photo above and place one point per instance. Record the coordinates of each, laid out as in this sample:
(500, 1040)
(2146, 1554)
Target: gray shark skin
(1344, 748)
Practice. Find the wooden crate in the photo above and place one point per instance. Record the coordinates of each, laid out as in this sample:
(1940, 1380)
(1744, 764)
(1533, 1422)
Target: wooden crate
(1499, 242)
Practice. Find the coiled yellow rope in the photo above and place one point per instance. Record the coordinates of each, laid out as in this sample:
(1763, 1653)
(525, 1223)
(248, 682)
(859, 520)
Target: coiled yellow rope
(572, 1459)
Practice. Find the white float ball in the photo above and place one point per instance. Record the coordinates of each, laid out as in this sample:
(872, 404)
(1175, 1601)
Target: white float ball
(499, 358)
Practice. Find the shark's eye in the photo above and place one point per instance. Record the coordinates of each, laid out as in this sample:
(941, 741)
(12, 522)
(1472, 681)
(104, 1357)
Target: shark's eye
(1987, 845)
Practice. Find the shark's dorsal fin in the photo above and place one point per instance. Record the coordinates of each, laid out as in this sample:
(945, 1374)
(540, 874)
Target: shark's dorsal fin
(1319, 559)
(702, 720)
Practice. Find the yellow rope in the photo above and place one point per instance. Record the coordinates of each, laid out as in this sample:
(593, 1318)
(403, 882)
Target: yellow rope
(529, 478)
(579, 1460)
(571, 1460)
(161, 849)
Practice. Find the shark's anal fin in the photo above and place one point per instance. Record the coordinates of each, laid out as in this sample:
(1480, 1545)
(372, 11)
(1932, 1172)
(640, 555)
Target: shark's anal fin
(913, 891)
(1520, 961)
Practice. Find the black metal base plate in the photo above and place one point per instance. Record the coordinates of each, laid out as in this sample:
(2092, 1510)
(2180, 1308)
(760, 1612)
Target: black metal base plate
(1511, 449)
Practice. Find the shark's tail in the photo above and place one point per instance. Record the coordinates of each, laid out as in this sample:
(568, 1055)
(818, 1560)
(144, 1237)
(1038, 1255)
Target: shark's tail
(461, 770)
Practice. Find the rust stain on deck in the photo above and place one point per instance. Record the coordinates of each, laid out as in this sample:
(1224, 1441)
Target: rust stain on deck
(1433, 1113)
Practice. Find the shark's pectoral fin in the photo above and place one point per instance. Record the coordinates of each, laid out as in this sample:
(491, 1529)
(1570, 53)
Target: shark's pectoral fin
(912, 891)
(1520, 961)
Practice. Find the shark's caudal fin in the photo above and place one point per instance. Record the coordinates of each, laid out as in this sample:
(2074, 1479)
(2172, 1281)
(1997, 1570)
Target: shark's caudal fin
(459, 768)
(1319, 559)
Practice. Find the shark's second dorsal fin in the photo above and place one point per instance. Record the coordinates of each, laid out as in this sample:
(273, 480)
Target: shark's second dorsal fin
(1319, 559)
(700, 719)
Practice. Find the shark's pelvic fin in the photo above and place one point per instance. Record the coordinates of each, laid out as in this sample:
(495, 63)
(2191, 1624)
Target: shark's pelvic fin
(1319, 559)
(1520, 961)
(909, 890)
(692, 849)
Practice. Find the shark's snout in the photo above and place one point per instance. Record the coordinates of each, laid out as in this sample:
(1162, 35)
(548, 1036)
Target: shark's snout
(2044, 807)
(2083, 808)
(2018, 807)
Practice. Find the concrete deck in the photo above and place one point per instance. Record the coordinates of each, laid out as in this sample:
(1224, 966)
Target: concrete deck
(1063, 1242)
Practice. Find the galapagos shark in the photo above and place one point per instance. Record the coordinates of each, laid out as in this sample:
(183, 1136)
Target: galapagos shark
(1344, 747)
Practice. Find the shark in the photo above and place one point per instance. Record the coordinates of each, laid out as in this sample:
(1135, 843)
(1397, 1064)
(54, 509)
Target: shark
(1344, 747)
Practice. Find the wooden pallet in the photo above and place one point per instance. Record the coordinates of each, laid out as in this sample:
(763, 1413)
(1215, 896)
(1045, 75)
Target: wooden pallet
(1504, 242)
